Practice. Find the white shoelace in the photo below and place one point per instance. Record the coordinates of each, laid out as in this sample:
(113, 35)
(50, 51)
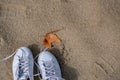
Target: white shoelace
(4, 59)
(49, 68)
(38, 70)
(23, 67)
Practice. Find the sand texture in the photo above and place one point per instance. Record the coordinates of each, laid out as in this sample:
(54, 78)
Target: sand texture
(90, 47)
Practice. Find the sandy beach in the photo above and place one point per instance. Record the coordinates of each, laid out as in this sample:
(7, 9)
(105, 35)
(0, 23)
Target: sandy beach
(90, 46)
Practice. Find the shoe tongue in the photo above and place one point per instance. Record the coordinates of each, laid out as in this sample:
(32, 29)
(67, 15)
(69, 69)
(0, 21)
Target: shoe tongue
(24, 77)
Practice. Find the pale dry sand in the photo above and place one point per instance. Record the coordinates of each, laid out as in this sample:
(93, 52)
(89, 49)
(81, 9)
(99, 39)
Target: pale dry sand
(90, 47)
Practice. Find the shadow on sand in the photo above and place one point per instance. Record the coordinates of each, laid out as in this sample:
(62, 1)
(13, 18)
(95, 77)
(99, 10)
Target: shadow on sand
(68, 73)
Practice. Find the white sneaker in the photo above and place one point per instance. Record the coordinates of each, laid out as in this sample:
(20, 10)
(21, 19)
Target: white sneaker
(23, 64)
(49, 67)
